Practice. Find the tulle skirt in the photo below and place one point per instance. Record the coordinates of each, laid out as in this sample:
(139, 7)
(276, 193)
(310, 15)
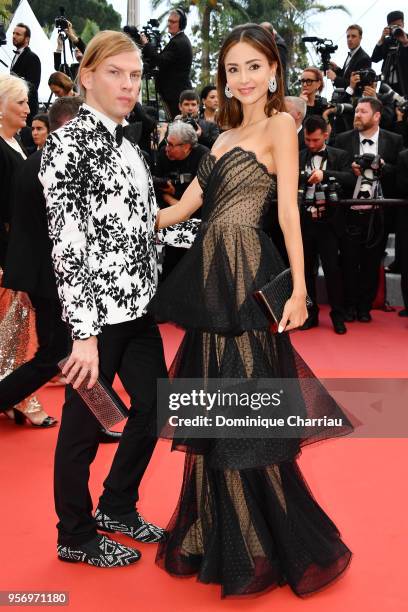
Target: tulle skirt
(245, 518)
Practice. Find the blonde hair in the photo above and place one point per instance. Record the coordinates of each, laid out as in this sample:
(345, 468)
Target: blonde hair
(105, 44)
(12, 87)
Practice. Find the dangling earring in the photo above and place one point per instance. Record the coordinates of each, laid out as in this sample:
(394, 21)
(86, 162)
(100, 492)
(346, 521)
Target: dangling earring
(272, 86)
(228, 92)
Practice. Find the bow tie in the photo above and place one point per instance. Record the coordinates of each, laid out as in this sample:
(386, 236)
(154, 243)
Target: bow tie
(131, 132)
(322, 154)
(368, 141)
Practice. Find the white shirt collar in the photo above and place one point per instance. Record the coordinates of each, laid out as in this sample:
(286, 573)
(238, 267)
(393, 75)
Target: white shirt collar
(374, 137)
(354, 51)
(107, 121)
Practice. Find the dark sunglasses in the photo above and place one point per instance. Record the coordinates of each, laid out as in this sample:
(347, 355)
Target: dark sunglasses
(308, 81)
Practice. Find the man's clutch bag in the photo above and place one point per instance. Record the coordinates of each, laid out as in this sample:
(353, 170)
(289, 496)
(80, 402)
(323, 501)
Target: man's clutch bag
(273, 296)
(102, 400)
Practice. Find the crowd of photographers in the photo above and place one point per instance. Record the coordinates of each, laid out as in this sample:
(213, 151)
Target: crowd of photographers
(353, 146)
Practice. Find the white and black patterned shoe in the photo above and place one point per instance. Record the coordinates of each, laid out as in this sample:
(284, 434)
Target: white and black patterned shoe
(132, 525)
(101, 552)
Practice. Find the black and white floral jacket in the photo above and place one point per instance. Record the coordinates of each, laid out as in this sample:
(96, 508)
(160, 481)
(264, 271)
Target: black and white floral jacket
(104, 242)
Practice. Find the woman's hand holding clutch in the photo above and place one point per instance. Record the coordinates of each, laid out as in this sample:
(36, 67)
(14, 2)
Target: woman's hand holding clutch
(294, 313)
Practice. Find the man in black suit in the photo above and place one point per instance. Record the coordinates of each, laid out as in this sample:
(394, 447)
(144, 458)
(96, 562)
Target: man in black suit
(361, 251)
(27, 65)
(392, 48)
(402, 225)
(322, 226)
(357, 59)
(174, 61)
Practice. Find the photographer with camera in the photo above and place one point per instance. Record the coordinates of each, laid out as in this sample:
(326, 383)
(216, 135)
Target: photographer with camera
(357, 59)
(401, 121)
(375, 152)
(325, 171)
(189, 106)
(26, 65)
(392, 48)
(177, 165)
(174, 61)
(67, 32)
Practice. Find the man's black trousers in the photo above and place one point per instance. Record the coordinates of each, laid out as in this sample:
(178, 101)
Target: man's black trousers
(320, 240)
(134, 351)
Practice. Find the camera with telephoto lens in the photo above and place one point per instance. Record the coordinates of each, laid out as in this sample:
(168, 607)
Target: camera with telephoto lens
(369, 161)
(387, 96)
(61, 22)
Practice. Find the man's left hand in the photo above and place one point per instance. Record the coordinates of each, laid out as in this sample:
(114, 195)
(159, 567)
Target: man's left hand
(315, 177)
(370, 90)
(170, 189)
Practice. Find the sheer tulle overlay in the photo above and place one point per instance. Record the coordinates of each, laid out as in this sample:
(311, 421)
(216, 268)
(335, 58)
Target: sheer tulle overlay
(245, 519)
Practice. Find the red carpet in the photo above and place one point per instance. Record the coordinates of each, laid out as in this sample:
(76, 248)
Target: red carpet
(360, 483)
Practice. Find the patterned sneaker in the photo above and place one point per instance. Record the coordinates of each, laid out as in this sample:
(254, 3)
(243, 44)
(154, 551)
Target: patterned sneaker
(132, 525)
(101, 552)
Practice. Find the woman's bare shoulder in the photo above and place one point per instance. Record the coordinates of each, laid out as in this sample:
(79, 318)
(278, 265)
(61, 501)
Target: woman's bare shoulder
(221, 141)
(281, 121)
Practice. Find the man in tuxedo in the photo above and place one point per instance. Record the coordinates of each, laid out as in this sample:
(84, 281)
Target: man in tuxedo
(101, 214)
(322, 226)
(357, 59)
(174, 61)
(27, 65)
(361, 252)
(402, 224)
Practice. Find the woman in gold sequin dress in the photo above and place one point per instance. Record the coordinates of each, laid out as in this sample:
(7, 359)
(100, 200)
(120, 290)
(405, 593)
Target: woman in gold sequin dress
(17, 322)
(246, 518)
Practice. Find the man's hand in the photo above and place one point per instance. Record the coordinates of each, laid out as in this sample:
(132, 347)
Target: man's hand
(71, 34)
(356, 169)
(354, 79)
(333, 66)
(327, 112)
(399, 114)
(60, 40)
(315, 177)
(331, 74)
(84, 359)
(370, 90)
(386, 32)
(170, 189)
(198, 131)
(143, 39)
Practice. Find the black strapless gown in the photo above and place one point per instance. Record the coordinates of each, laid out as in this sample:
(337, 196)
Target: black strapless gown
(245, 518)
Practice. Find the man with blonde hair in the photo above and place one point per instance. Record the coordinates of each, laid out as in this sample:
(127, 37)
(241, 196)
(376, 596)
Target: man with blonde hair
(101, 215)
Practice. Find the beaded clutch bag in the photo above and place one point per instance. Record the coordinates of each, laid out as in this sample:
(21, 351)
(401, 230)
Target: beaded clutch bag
(102, 400)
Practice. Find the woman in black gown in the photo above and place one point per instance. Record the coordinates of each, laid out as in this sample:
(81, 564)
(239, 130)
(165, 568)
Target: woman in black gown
(246, 519)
